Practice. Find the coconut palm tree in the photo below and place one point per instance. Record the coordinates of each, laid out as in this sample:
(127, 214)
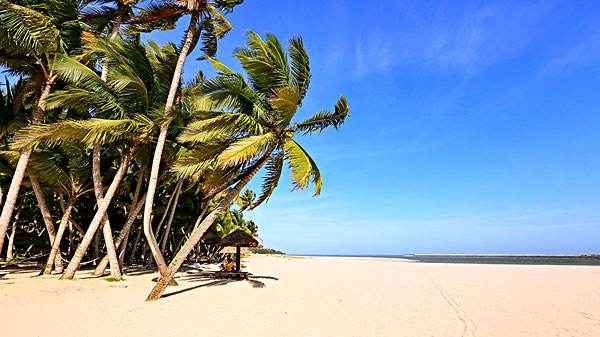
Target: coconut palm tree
(31, 40)
(129, 94)
(71, 176)
(204, 15)
(257, 129)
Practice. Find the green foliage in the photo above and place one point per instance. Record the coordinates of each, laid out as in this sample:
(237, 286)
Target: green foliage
(222, 130)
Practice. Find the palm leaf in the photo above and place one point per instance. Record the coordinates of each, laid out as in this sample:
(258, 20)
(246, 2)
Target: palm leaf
(273, 169)
(304, 169)
(245, 149)
(300, 66)
(324, 119)
(29, 29)
(224, 126)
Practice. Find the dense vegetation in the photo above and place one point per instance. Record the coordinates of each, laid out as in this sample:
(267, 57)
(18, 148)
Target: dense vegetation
(266, 251)
(107, 157)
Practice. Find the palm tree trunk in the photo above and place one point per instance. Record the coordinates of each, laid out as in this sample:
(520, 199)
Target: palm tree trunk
(160, 143)
(11, 238)
(15, 184)
(39, 195)
(122, 236)
(199, 230)
(55, 251)
(136, 242)
(167, 230)
(166, 212)
(115, 269)
(97, 220)
(136, 195)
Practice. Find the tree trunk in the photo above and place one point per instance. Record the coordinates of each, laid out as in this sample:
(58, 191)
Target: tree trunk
(39, 195)
(115, 269)
(199, 230)
(15, 184)
(97, 220)
(55, 251)
(136, 242)
(160, 143)
(122, 236)
(166, 212)
(11, 238)
(173, 209)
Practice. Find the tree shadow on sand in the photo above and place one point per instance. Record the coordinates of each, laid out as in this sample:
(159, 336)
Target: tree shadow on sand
(210, 280)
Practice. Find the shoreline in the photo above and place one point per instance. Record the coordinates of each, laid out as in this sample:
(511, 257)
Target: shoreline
(507, 259)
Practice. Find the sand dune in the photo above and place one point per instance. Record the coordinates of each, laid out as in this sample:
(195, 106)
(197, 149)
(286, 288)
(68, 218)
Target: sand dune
(314, 296)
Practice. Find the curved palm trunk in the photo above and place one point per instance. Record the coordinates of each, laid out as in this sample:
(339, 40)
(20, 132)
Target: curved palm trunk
(97, 220)
(39, 195)
(55, 251)
(15, 184)
(115, 269)
(162, 137)
(121, 239)
(199, 230)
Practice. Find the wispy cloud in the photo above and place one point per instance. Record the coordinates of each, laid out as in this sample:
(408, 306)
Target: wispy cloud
(441, 37)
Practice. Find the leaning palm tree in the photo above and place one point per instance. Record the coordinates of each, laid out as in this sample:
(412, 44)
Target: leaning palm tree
(256, 130)
(204, 15)
(30, 42)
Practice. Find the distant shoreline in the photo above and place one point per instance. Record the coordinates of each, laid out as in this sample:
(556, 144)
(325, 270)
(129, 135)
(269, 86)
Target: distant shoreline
(581, 260)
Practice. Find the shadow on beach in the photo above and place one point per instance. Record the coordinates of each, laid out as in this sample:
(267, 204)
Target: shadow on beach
(209, 279)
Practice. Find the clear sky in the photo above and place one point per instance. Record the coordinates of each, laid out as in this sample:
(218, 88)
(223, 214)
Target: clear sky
(475, 126)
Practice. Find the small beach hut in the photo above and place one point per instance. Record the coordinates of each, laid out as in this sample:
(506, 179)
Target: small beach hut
(238, 239)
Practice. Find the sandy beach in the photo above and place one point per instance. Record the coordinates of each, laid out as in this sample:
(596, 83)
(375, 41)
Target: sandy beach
(314, 296)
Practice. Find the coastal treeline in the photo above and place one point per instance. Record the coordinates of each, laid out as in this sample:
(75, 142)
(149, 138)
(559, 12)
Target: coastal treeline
(109, 157)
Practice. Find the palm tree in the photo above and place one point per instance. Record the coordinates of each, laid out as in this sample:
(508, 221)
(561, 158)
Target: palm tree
(215, 26)
(30, 43)
(257, 129)
(128, 94)
(74, 181)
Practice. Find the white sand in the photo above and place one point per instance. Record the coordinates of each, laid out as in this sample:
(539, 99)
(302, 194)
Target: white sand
(316, 297)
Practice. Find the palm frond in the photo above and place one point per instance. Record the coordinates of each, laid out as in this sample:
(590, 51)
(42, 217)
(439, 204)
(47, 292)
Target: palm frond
(300, 66)
(224, 126)
(265, 62)
(324, 119)
(29, 29)
(245, 150)
(273, 168)
(285, 102)
(304, 169)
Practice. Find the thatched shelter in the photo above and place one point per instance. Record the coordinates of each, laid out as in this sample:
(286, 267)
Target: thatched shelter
(232, 250)
(238, 239)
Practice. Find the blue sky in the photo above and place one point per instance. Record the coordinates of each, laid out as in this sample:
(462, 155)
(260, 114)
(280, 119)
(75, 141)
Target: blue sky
(475, 126)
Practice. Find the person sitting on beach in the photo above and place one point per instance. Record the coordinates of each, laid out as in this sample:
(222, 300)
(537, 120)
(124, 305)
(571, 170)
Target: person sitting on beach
(228, 265)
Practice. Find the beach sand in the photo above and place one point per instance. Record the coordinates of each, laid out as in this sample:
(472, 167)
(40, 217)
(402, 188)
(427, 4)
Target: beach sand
(314, 296)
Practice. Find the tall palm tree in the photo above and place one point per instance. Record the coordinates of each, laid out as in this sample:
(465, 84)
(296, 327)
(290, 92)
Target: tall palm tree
(257, 129)
(204, 15)
(31, 40)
